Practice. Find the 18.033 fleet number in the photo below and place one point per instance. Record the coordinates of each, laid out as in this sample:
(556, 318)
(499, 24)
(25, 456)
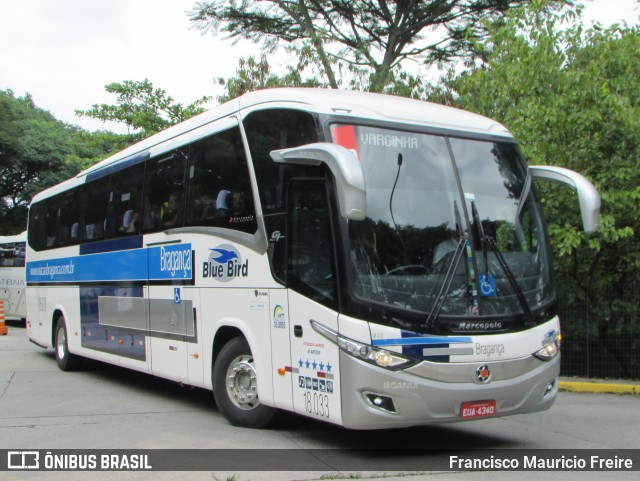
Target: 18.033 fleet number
(316, 403)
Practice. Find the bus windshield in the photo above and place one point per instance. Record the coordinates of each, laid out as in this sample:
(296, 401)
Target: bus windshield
(453, 226)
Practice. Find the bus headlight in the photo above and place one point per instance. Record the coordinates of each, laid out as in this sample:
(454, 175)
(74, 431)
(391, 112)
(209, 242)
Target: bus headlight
(364, 352)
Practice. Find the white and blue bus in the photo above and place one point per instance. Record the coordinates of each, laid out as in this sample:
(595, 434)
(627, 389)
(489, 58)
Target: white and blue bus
(368, 260)
(13, 284)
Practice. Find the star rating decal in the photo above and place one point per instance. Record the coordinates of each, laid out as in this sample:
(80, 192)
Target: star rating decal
(314, 365)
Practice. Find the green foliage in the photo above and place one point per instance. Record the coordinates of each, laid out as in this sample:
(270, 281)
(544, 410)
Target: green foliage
(145, 110)
(89, 148)
(38, 151)
(571, 98)
(33, 149)
(253, 74)
(367, 39)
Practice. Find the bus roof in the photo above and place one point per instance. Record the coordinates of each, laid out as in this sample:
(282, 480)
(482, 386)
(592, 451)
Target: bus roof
(379, 107)
(343, 103)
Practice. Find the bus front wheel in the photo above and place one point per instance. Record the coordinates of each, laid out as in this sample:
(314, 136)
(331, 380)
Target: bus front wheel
(66, 361)
(235, 386)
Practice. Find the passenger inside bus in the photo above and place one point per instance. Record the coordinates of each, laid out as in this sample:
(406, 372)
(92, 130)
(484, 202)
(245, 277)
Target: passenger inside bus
(170, 212)
(130, 222)
(206, 208)
(95, 231)
(229, 203)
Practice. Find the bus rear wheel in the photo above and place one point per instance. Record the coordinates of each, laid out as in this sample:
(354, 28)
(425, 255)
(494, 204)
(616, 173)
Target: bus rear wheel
(66, 361)
(235, 386)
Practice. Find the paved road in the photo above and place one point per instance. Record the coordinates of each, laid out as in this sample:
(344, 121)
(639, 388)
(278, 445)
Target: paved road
(106, 407)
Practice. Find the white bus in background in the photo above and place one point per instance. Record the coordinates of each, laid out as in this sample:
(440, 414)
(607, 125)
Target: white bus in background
(12, 276)
(368, 260)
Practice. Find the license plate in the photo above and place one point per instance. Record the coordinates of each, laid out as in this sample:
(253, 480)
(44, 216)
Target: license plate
(477, 409)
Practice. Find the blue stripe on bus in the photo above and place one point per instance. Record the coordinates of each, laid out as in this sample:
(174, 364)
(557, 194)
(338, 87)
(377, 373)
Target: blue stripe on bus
(170, 262)
(119, 165)
(408, 341)
(122, 244)
(417, 346)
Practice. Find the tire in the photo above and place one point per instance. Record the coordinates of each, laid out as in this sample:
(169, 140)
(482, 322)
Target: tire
(66, 361)
(235, 387)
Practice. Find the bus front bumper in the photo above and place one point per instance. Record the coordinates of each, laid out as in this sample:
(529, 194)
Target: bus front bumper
(375, 398)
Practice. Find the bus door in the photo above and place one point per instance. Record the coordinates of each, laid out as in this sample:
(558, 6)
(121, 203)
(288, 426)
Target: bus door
(37, 320)
(172, 298)
(311, 279)
(172, 310)
(19, 310)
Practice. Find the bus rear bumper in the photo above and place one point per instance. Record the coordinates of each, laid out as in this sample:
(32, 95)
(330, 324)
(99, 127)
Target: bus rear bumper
(374, 398)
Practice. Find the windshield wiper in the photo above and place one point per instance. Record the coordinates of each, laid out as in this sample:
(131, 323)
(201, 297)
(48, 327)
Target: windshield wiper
(448, 279)
(487, 240)
(451, 269)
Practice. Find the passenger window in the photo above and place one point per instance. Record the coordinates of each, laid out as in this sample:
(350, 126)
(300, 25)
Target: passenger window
(275, 129)
(12, 254)
(95, 204)
(50, 221)
(68, 222)
(125, 201)
(269, 130)
(220, 192)
(163, 205)
(37, 226)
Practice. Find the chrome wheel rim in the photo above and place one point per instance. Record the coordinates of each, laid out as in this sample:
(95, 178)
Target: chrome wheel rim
(241, 382)
(61, 345)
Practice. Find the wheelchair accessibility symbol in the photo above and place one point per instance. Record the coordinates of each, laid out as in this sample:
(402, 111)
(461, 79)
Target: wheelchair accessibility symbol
(176, 295)
(487, 285)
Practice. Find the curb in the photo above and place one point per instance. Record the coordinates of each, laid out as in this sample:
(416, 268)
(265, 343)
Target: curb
(600, 387)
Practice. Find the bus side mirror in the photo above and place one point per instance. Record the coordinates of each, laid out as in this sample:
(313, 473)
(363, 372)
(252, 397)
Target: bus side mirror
(344, 166)
(587, 194)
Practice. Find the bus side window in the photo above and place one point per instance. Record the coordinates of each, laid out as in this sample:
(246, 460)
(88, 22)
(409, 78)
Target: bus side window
(36, 228)
(220, 192)
(163, 206)
(126, 201)
(268, 130)
(274, 129)
(95, 197)
(68, 217)
(50, 221)
(311, 255)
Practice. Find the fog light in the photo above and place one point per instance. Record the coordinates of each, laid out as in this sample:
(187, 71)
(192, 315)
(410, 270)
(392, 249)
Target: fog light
(379, 401)
(549, 389)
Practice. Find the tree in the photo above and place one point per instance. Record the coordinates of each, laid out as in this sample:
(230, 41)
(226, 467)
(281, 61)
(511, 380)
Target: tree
(38, 151)
(33, 151)
(89, 148)
(253, 74)
(570, 97)
(368, 38)
(144, 109)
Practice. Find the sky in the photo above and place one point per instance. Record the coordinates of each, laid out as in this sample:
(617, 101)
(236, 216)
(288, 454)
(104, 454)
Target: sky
(64, 52)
